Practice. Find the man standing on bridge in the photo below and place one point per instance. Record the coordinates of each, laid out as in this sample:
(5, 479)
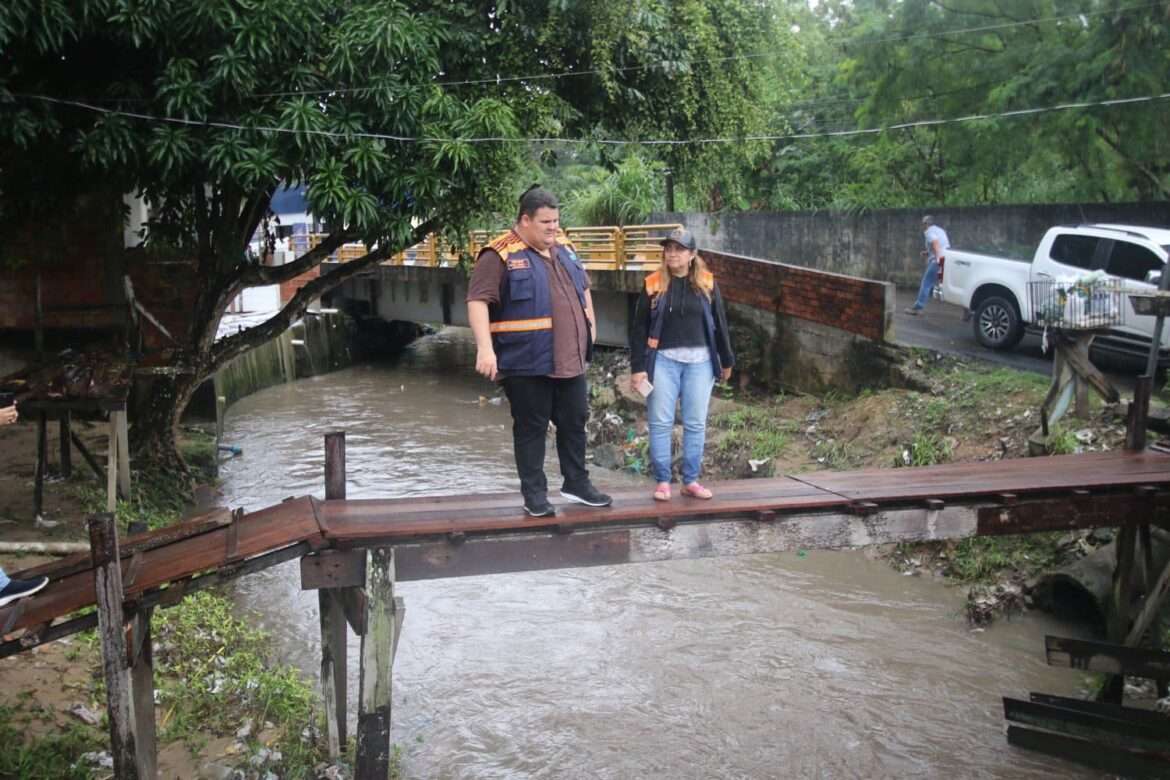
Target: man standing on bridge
(529, 306)
(937, 245)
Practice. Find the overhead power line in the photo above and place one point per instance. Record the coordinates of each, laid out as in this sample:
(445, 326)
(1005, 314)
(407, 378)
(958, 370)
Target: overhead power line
(608, 142)
(843, 40)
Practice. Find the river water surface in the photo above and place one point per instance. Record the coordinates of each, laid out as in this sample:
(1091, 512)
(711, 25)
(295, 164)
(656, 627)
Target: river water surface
(825, 664)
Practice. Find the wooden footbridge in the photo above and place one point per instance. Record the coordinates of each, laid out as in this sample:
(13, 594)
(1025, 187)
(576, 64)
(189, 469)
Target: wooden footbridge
(353, 551)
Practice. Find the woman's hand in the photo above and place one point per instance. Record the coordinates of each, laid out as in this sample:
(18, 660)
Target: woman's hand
(638, 378)
(725, 374)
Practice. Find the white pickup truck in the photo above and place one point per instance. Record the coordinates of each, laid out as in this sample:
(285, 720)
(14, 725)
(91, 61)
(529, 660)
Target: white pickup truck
(995, 289)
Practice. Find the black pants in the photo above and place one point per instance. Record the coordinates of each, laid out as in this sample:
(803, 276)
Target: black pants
(535, 400)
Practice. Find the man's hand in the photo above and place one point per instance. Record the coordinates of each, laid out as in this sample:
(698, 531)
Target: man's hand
(725, 374)
(8, 415)
(638, 378)
(485, 363)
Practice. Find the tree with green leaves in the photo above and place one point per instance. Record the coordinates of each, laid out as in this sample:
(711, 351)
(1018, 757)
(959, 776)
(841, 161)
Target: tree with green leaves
(401, 117)
(881, 63)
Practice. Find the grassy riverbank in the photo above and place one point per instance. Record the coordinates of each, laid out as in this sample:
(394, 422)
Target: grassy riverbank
(965, 411)
(224, 702)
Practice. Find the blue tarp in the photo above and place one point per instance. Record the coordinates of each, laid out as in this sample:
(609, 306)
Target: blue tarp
(290, 200)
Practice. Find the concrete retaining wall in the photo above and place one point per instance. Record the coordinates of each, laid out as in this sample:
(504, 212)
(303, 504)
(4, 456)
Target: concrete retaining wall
(807, 330)
(885, 244)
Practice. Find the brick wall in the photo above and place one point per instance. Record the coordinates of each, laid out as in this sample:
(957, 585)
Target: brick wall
(167, 290)
(847, 303)
(289, 289)
(82, 265)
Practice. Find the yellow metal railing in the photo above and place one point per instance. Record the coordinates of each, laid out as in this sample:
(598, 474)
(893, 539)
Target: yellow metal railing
(602, 248)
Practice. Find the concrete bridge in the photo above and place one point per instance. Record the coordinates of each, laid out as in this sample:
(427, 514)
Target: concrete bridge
(798, 327)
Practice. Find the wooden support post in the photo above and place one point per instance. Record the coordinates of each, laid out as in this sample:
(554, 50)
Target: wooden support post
(64, 446)
(333, 668)
(377, 662)
(1148, 617)
(103, 540)
(1139, 409)
(1155, 596)
(86, 454)
(335, 466)
(123, 455)
(1081, 403)
(1120, 597)
(220, 411)
(142, 693)
(39, 322)
(41, 464)
(330, 603)
(112, 466)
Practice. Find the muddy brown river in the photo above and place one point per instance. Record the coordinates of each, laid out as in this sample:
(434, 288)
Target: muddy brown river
(817, 665)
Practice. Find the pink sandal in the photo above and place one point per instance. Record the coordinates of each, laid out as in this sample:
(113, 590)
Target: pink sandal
(662, 492)
(695, 490)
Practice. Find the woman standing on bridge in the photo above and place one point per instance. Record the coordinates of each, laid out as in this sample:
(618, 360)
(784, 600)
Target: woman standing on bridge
(679, 342)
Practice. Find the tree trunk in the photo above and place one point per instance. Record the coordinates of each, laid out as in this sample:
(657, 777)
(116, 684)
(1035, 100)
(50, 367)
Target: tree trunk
(153, 439)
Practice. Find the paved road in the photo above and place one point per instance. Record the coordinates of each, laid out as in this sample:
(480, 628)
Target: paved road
(942, 329)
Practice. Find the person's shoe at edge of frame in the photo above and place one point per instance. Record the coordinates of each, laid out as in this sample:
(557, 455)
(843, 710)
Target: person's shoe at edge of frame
(17, 589)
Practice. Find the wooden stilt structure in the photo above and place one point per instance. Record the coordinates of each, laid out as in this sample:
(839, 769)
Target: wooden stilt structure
(1104, 733)
(355, 587)
(377, 665)
(103, 538)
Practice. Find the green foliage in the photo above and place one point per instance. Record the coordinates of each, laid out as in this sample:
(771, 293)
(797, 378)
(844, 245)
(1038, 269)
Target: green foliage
(742, 418)
(863, 66)
(624, 197)
(214, 671)
(982, 558)
(752, 434)
(768, 443)
(54, 756)
(836, 455)
(156, 498)
(1061, 441)
(927, 449)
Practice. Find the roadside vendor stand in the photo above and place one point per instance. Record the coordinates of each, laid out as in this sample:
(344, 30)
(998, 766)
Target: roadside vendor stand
(76, 384)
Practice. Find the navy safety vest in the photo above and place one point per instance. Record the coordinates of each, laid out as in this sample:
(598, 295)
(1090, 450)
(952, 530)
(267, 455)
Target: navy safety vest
(658, 283)
(521, 323)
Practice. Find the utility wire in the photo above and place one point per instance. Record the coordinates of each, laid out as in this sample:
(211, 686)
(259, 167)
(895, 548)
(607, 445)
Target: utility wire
(605, 142)
(842, 40)
(757, 55)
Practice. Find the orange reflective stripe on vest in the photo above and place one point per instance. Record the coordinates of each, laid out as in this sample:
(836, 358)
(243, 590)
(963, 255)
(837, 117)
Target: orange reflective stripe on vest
(522, 326)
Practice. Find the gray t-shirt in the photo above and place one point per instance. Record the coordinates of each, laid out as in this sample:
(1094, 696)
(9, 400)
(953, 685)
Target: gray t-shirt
(931, 234)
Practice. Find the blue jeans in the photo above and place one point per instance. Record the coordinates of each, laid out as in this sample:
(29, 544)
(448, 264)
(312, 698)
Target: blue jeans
(693, 381)
(3, 579)
(929, 279)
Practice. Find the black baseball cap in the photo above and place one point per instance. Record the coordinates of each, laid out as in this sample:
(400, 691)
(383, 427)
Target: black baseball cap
(682, 237)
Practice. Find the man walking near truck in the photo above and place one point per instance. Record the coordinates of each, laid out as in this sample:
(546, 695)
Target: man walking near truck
(937, 245)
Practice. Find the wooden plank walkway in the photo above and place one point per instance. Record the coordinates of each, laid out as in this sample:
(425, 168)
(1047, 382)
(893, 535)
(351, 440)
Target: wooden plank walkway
(830, 509)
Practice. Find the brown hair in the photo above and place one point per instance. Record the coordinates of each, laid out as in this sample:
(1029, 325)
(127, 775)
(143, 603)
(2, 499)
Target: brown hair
(696, 273)
(535, 198)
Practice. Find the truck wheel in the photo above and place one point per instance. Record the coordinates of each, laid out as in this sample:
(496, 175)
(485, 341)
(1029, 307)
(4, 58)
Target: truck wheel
(997, 323)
